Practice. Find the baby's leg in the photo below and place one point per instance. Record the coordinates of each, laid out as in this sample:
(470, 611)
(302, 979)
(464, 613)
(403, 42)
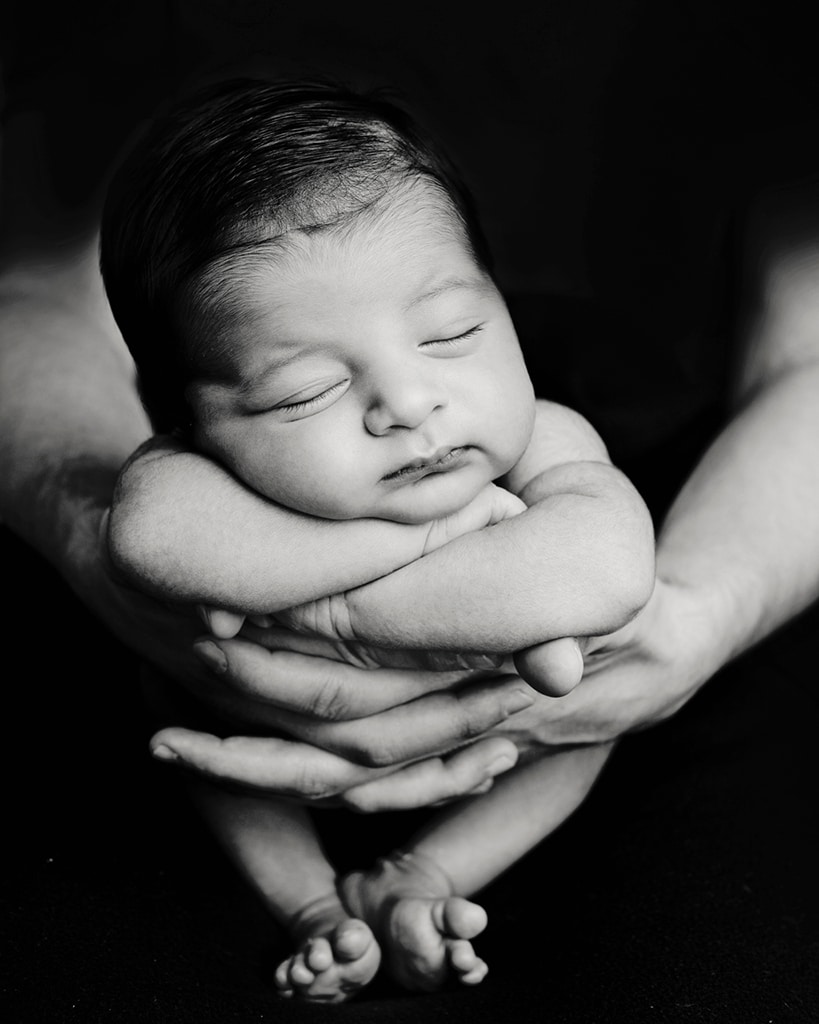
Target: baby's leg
(275, 846)
(423, 927)
(415, 900)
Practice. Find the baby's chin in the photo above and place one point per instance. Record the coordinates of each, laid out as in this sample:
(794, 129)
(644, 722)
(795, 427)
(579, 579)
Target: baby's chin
(425, 501)
(422, 501)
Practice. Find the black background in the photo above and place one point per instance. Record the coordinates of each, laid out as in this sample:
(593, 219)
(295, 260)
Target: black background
(613, 148)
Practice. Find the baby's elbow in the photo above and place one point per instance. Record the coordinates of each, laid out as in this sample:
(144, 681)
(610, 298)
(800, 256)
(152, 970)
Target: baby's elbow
(132, 538)
(636, 587)
(127, 550)
(632, 573)
(619, 596)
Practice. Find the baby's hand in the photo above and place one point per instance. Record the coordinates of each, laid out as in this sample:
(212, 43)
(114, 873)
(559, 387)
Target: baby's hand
(489, 506)
(554, 668)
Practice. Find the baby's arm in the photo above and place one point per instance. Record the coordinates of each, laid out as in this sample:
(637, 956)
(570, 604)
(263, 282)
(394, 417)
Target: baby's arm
(578, 562)
(181, 525)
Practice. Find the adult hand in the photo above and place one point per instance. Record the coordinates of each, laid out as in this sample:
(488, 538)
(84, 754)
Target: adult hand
(633, 679)
(346, 725)
(311, 698)
(423, 736)
(636, 677)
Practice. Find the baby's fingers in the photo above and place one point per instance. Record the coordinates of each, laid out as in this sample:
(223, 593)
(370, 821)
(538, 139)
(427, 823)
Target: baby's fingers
(491, 505)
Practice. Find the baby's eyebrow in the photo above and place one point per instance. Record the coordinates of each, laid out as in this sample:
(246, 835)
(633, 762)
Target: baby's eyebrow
(251, 381)
(450, 284)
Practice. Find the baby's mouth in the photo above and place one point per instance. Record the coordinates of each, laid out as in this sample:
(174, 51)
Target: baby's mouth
(440, 461)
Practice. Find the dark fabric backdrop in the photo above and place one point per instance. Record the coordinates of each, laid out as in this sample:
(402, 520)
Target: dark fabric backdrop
(613, 148)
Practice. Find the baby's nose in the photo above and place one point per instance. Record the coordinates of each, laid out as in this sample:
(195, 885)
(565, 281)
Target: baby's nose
(405, 402)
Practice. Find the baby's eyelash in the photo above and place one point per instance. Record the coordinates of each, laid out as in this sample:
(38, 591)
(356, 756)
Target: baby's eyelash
(307, 403)
(458, 337)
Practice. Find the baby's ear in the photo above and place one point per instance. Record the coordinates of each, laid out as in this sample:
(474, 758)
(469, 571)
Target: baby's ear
(223, 624)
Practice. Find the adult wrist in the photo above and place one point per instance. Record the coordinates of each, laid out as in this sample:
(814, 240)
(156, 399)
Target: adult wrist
(80, 548)
(709, 624)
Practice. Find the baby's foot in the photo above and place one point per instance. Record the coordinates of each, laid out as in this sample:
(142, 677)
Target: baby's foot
(423, 929)
(337, 956)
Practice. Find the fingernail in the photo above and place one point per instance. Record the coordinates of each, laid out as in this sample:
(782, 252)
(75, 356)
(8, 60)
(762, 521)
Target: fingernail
(484, 787)
(500, 764)
(163, 753)
(213, 656)
(518, 700)
(488, 661)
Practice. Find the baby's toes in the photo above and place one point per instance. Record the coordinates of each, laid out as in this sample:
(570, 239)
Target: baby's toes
(293, 974)
(462, 919)
(282, 978)
(318, 956)
(466, 963)
(351, 940)
(476, 975)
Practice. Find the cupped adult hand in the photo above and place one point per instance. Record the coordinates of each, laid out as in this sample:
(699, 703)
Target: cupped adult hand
(307, 696)
(634, 678)
(339, 725)
(362, 715)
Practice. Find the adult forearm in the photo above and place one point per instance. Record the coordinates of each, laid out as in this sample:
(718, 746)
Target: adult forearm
(742, 532)
(69, 411)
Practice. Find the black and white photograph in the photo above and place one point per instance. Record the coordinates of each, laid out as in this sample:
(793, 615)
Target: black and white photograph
(409, 424)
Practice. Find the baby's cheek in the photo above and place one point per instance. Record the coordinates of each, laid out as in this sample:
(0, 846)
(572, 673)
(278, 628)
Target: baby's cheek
(329, 484)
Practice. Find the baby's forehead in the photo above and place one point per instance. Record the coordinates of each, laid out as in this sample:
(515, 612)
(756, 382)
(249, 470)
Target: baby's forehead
(405, 227)
(407, 209)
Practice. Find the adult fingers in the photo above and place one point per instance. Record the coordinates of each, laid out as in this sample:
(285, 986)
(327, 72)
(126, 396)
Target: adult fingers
(432, 781)
(275, 766)
(297, 771)
(337, 753)
(322, 687)
(433, 724)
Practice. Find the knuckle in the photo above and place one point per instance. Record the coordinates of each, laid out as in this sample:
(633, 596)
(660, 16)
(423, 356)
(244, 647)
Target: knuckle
(376, 754)
(473, 727)
(358, 654)
(314, 788)
(329, 701)
(472, 719)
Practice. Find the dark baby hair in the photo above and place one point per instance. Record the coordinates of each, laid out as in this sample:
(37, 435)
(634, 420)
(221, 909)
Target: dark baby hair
(215, 170)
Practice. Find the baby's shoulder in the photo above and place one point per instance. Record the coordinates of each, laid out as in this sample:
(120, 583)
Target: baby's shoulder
(559, 435)
(565, 434)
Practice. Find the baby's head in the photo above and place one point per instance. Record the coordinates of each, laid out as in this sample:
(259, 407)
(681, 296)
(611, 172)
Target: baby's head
(307, 295)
